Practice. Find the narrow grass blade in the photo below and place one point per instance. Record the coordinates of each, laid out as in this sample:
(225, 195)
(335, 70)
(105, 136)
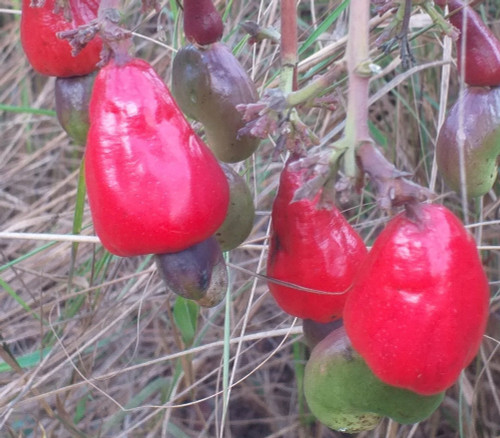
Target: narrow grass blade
(186, 318)
(27, 110)
(325, 24)
(18, 299)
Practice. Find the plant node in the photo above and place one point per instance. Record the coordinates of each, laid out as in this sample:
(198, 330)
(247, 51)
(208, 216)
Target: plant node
(116, 39)
(272, 116)
(397, 32)
(393, 189)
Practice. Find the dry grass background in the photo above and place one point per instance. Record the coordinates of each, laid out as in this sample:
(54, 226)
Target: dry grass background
(97, 350)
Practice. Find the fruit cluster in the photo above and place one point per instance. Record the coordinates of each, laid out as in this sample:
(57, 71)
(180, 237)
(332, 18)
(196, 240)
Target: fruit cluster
(153, 185)
(414, 308)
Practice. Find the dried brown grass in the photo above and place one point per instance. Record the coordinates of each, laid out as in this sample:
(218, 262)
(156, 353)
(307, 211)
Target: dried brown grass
(116, 366)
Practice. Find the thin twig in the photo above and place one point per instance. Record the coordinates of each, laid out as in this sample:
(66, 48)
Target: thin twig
(50, 237)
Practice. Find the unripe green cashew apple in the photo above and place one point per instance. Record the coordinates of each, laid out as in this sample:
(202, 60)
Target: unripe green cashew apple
(344, 394)
(240, 213)
(208, 84)
(72, 96)
(472, 126)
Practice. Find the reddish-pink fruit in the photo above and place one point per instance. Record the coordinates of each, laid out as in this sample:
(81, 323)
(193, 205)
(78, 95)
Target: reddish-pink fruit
(312, 246)
(202, 22)
(418, 308)
(481, 57)
(50, 55)
(154, 187)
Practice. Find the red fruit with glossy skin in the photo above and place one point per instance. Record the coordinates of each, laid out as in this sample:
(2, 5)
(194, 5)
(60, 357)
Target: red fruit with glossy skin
(482, 47)
(153, 185)
(311, 246)
(202, 22)
(419, 305)
(50, 55)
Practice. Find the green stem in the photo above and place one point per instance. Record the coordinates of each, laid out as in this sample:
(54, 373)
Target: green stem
(318, 86)
(439, 20)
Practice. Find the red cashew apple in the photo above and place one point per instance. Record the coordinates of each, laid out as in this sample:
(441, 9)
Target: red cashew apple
(481, 58)
(418, 308)
(312, 246)
(50, 55)
(202, 22)
(154, 187)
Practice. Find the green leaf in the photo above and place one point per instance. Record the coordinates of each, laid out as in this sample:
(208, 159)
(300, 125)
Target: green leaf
(227, 11)
(28, 360)
(148, 392)
(81, 408)
(18, 299)
(77, 220)
(186, 318)
(27, 110)
(80, 201)
(240, 45)
(174, 8)
(377, 135)
(26, 256)
(227, 350)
